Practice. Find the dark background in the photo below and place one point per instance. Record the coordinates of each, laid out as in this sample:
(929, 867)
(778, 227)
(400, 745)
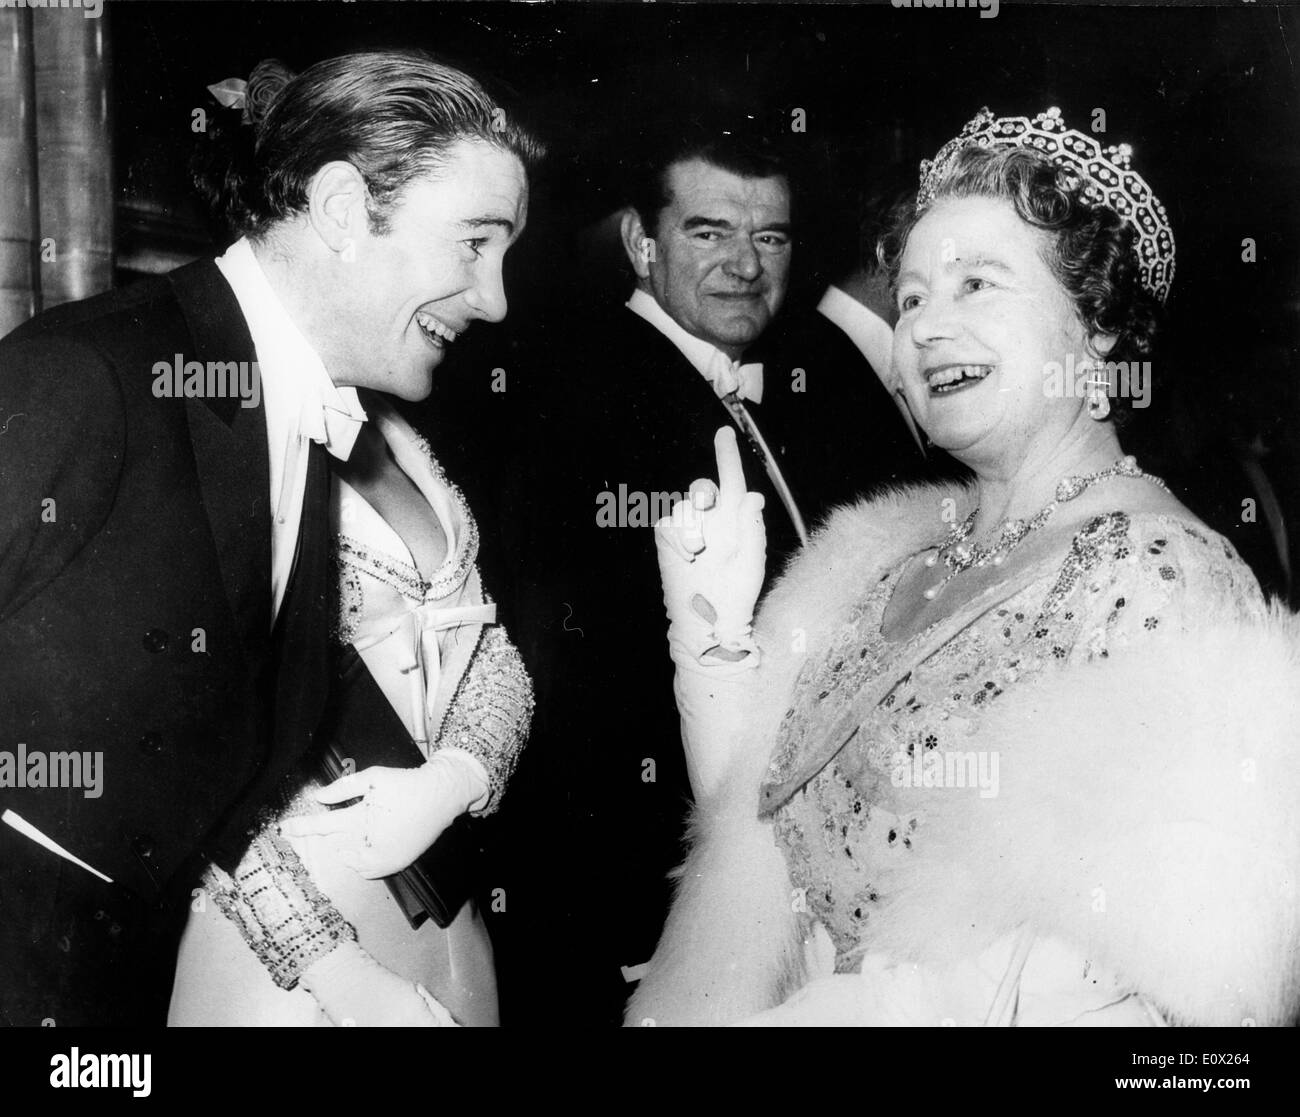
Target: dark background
(1207, 97)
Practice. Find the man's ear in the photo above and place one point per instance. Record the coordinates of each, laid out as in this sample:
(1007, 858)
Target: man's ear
(336, 207)
(639, 247)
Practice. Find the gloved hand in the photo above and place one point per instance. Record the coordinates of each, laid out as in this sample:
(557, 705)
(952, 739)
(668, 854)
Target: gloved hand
(353, 989)
(711, 558)
(401, 814)
(712, 553)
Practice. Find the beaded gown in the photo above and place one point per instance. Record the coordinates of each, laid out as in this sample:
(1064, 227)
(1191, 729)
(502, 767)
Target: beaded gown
(1043, 810)
(1123, 578)
(455, 679)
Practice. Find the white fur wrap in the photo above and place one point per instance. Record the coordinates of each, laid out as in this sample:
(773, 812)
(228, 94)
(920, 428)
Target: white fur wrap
(1148, 814)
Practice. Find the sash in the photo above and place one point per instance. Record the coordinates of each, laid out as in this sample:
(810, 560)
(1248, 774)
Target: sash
(774, 794)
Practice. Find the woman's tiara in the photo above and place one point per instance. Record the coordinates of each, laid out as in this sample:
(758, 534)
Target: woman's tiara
(1103, 173)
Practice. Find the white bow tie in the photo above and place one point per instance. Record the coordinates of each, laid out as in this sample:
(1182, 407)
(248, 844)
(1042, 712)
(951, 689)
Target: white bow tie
(333, 427)
(728, 377)
(318, 421)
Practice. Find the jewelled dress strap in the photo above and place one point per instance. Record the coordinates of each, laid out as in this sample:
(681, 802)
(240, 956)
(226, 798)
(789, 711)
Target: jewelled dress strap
(787, 779)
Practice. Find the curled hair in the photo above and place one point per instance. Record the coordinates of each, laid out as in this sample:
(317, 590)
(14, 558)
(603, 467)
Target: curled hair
(394, 115)
(1090, 249)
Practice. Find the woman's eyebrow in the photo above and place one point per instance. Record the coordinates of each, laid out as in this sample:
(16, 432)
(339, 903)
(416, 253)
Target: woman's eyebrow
(984, 262)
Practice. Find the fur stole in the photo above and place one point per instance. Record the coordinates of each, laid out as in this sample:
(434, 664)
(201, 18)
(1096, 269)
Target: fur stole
(1148, 814)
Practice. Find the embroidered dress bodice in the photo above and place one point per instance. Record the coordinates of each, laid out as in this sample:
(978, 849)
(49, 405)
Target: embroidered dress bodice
(454, 678)
(416, 634)
(1123, 577)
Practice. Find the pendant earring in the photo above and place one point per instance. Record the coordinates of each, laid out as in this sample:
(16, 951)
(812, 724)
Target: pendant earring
(1098, 403)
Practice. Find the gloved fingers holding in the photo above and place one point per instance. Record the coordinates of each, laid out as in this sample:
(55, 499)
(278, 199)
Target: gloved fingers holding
(703, 494)
(348, 820)
(682, 532)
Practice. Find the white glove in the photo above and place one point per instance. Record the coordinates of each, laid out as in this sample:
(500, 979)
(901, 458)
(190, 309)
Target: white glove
(401, 814)
(712, 553)
(711, 559)
(354, 990)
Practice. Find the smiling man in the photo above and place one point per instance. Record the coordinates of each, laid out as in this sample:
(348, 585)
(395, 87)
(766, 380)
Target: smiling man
(708, 236)
(714, 252)
(639, 391)
(384, 301)
(165, 582)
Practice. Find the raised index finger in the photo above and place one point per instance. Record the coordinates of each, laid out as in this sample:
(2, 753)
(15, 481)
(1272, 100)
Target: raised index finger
(731, 474)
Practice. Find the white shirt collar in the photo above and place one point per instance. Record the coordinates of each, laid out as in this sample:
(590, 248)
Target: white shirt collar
(874, 339)
(301, 403)
(871, 334)
(295, 384)
(702, 355)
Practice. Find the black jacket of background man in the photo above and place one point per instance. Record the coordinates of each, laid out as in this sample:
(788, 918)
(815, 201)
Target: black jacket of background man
(617, 408)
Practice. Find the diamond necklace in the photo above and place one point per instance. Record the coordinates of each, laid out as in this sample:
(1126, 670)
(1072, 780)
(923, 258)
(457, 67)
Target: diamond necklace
(958, 553)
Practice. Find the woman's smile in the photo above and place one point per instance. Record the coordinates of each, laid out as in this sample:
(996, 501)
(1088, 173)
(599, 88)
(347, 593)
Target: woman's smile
(944, 380)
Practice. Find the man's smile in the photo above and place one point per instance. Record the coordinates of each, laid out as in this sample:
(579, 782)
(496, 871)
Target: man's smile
(435, 330)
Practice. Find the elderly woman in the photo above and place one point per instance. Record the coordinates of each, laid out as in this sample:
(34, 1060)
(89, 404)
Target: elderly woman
(1018, 753)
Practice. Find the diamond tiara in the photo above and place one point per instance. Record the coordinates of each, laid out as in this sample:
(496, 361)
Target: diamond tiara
(1103, 173)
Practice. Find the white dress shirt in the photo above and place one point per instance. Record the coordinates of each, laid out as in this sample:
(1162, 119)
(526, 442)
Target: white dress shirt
(302, 405)
(873, 337)
(706, 358)
(870, 334)
(733, 383)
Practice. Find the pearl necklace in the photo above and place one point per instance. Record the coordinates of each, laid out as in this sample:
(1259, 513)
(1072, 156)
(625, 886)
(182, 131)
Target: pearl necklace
(959, 554)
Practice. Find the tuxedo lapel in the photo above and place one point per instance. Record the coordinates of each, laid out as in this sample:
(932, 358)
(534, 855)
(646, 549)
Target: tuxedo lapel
(301, 640)
(295, 681)
(230, 450)
(290, 661)
(677, 405)
(231, 454)
(687, 412)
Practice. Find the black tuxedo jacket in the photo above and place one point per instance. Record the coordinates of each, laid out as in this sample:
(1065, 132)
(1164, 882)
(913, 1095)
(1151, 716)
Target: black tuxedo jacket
(616, 412)
(135, 621)
(633, 411)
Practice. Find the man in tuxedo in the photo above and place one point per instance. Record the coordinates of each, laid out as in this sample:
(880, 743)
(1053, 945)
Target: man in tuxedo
(165, 584)
(709, 237)
(628, 418)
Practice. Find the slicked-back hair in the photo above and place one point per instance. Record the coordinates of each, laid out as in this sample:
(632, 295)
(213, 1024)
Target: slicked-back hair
(394, 115)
